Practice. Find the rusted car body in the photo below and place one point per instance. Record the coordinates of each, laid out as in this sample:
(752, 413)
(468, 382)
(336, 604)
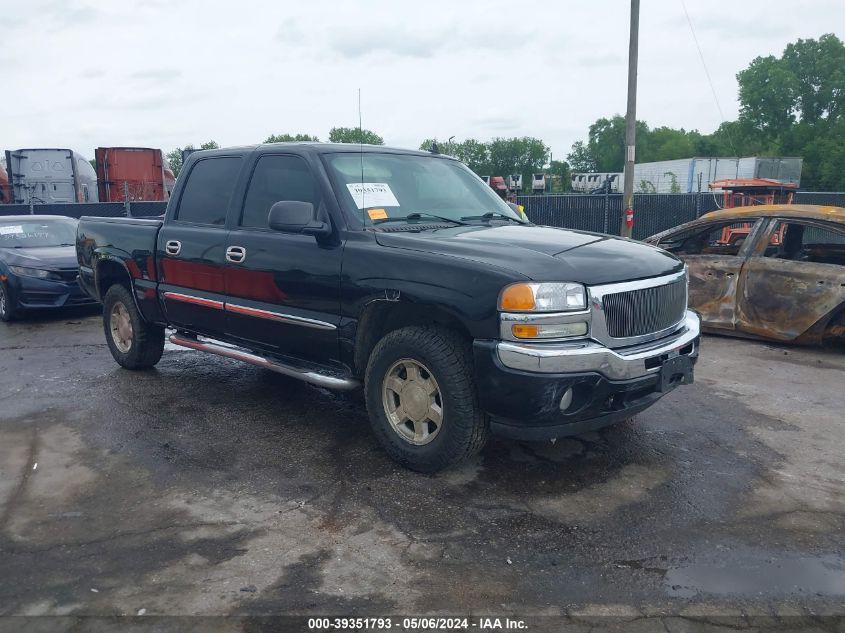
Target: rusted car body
(778, 275)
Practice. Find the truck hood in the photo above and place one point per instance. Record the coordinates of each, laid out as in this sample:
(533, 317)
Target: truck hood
(542, 253)
(48, 257)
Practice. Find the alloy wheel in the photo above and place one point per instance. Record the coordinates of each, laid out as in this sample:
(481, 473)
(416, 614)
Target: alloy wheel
(412, 401)
(120, 324)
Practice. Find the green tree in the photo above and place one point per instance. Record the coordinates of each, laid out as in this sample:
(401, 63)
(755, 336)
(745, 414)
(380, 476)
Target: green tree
(474, 154)
(767, 95)
(518, 155)
(792, 105)
(819, 70)
(354, 135)
(290, 138)
(561, 176)
(428, 143)
(498, 157)
(580, 159)
(606, 143)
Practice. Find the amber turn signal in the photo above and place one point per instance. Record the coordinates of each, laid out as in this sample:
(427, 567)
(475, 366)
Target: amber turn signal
(525, 331)
(517, 297)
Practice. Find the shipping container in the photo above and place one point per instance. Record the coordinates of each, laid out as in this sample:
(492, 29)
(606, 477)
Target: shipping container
(133, 174)
(47, 175)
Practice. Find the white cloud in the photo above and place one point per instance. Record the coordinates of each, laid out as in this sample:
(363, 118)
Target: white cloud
(86, 73)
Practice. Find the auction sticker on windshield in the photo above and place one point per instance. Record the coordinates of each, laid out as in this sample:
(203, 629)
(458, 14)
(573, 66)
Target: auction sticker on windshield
(10, 230)
(372, 194)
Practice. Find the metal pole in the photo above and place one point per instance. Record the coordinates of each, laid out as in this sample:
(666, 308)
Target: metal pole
(631, 123)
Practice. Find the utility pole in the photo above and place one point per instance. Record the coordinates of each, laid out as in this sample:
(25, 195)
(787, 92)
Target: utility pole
(631, 124)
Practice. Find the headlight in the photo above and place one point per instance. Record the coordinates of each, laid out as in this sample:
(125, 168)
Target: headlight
(30, 272)
(543, 297)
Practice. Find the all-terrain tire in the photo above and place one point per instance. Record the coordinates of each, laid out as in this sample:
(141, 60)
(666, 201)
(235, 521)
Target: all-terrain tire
(446, 357)
(144, 343)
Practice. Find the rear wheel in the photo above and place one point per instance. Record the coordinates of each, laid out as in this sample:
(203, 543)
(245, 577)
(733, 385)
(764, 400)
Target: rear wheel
(421, 398)
(134, 343)
(7, 307)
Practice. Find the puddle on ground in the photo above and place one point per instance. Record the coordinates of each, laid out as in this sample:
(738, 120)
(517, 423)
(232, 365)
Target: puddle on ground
(806, 576)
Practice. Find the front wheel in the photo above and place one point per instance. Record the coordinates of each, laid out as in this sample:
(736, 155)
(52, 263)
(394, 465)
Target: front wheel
(7, 306)
(134, 343)
(421, 398)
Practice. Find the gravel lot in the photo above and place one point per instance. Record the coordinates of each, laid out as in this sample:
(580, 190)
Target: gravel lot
(211, 487)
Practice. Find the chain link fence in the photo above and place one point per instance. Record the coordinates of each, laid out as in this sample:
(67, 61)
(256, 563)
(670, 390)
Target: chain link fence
(600, 213)
(135, 190)
(77, 210)
(831, 198)
(653, 212)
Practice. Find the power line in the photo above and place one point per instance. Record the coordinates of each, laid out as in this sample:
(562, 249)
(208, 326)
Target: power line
(707, 74)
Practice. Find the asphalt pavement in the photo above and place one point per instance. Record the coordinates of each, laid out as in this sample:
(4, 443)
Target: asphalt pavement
(210, 487)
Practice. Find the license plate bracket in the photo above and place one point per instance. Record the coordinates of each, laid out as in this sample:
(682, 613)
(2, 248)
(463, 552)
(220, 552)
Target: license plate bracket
(675, 372)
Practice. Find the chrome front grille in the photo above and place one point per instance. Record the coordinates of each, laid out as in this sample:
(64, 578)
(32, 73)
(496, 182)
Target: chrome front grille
(640, 312)
(634, 312)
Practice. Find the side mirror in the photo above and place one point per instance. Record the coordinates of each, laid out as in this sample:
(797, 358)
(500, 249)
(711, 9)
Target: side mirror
(293, 216)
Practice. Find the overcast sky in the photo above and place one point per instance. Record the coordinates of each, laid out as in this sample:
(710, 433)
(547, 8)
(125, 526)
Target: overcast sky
(165, 73)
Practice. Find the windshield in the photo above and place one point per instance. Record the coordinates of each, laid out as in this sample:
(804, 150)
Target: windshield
(395, 186)
(31, 233)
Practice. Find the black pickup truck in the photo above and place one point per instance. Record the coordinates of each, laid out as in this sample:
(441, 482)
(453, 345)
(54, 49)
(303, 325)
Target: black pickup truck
(400, 272)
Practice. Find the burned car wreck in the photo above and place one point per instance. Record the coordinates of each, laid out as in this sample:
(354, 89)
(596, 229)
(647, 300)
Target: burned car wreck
(775, 272)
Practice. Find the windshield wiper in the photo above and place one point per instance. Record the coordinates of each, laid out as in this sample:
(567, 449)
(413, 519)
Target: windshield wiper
(418, 215)
(492, 214)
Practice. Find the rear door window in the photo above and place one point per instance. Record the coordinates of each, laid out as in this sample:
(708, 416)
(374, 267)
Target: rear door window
(797, 241)
(208, 191)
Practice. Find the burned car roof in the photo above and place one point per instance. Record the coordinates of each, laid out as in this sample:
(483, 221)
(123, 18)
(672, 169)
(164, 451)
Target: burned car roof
(802, 211)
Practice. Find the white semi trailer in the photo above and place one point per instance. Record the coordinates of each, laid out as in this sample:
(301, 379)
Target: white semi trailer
(47, 175)
(688, 175)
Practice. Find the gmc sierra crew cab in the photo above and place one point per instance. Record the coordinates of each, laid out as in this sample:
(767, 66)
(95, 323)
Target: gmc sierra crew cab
(401, 272)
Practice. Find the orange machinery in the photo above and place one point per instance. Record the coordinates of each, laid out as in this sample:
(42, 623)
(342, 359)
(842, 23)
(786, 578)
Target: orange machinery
(746, 192)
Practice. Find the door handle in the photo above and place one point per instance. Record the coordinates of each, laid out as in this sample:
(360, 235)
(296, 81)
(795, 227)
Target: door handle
(172, 247)
(729, 275)
(236, 254)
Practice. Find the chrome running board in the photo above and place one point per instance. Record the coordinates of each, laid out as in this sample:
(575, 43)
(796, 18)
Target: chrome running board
(307, 375)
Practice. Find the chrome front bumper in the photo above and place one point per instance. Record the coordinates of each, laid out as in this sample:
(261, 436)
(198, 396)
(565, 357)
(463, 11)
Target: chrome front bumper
(589, 356)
